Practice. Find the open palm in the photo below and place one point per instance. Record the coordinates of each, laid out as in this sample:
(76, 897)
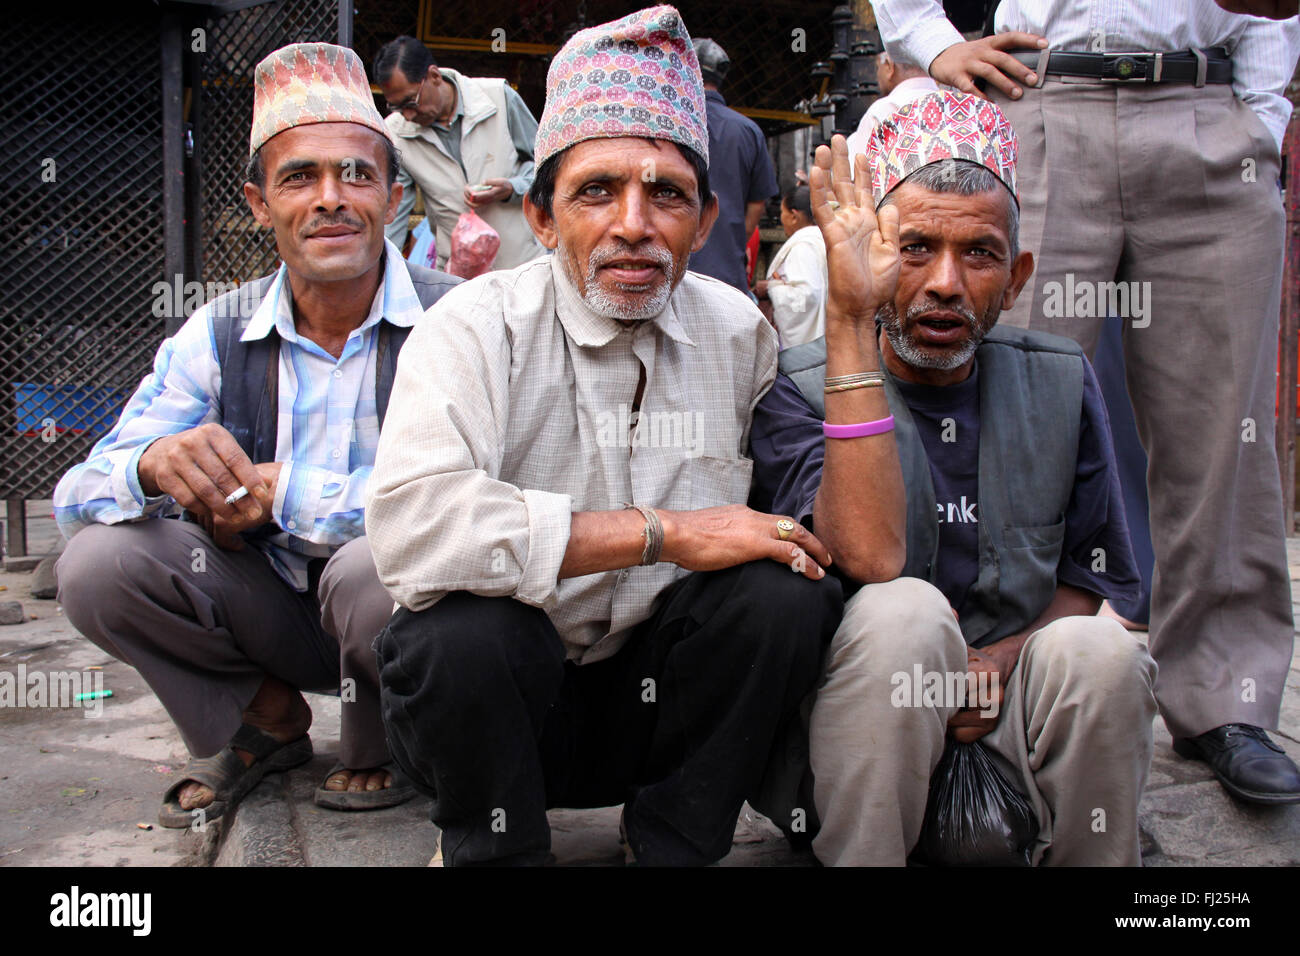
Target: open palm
(861, 247)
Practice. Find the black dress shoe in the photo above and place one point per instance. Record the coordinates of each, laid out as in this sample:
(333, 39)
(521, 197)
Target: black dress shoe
(1249, 765)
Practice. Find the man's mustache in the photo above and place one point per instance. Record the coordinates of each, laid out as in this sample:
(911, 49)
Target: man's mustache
(921, 309)
(321, 222)
(659, 256)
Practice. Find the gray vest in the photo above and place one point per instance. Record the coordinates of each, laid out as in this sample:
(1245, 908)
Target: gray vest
(1031, 397)
(250, 371)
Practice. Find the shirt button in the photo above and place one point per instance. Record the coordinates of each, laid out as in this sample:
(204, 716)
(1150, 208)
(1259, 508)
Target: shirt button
(336, 453)
(338, 373)
(291, 524)
(623, 575)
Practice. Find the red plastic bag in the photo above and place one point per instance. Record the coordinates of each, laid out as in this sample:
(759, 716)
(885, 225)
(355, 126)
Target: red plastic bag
(474, 246)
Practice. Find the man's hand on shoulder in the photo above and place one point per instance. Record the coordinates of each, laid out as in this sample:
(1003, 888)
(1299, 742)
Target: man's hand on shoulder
(712, 539)
(963, 63)
(200, 467)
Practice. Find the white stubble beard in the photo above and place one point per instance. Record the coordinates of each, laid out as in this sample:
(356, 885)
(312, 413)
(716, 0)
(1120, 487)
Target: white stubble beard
(920, 357)
(602, 302)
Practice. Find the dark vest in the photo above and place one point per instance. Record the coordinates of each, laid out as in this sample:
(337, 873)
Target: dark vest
(1031, 397)
(250, 371)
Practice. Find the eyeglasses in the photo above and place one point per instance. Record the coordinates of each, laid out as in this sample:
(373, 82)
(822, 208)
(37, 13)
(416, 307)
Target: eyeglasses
(412, 104)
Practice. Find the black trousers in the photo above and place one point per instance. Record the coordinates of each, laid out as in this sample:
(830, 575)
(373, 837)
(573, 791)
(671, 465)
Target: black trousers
(485, 715)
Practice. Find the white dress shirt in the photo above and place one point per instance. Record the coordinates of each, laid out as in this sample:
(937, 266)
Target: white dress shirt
(912, 88)
(1263, 51)
(797, 286)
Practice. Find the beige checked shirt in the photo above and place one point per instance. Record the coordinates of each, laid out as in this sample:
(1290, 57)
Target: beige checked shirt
(512, 409)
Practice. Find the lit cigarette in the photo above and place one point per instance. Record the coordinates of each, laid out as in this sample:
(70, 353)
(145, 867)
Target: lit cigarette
(240, 492)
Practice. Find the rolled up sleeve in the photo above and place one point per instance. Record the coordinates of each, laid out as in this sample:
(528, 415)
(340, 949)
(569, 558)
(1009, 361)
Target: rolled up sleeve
(918, 28)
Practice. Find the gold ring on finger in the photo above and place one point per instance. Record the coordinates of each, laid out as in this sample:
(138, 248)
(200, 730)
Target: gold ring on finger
(784, 528)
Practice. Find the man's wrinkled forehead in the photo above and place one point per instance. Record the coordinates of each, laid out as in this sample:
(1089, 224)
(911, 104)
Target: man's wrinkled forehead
(349, 145)
(926, 214)
(620, 159)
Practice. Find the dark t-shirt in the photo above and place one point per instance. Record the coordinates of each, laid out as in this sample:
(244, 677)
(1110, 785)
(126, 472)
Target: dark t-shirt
(740, 172)
(948, 422)
(787, 445)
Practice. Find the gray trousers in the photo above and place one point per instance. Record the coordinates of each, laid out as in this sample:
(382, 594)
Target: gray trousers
(1074, 731)
(1176, 188)
(205, 626)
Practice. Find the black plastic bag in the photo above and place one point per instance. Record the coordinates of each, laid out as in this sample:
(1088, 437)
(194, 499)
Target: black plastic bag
(975, 816)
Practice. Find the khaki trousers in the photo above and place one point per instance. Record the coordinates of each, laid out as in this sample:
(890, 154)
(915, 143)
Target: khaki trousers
(1172, 192)
(1074, 731)
(205, 626)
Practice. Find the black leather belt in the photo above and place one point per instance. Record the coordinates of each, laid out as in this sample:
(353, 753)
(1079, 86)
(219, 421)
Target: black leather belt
(1184, 66)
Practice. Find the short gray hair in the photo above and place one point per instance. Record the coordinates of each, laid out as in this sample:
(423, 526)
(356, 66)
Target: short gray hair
(902, 61)
(965, 178)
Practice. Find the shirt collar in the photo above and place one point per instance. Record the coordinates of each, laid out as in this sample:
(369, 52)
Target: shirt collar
(459, 111)
(395, 300)
(919, 84)
(590, 329)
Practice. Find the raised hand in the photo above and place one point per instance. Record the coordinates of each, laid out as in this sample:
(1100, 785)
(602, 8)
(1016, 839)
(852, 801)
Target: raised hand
(861, 247)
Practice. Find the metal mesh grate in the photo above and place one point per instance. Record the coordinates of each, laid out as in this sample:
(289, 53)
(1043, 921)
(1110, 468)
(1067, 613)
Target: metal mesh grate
(235, 248)
(81, 252)
(374, 24)
(766, 71)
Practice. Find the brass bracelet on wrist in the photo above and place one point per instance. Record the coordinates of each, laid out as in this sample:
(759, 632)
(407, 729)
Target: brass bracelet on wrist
(653, 534)
(849, 386)
(855, 377)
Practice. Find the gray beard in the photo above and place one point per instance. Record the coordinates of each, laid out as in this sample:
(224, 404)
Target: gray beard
(918, 356)
(602, 302)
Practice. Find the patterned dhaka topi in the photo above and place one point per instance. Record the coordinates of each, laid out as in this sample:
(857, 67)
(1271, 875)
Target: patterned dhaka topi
(306, 83)
(637, 76)
(938, 126)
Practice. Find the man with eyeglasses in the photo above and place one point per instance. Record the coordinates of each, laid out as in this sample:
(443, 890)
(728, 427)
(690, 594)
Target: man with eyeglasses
(466, 142)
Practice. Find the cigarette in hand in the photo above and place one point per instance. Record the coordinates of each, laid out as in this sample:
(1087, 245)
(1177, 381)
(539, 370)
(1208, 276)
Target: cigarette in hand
(240, 492)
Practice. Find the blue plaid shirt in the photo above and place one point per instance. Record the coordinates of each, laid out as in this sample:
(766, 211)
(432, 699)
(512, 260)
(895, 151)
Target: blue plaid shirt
(326, 439)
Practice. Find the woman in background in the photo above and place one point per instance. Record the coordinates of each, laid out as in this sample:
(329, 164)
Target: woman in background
(796, 279)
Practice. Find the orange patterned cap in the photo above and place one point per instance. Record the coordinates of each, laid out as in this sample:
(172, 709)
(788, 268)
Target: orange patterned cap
(306, 83)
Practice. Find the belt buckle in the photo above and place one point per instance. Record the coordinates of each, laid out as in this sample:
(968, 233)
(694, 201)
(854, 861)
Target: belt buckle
(1126, 66)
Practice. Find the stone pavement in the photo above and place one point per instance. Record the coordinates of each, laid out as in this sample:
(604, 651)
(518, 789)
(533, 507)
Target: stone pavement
(74, 788)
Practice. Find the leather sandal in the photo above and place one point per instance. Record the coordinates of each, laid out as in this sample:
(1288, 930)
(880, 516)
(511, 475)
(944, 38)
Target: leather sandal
(391, 796)
(225, 774)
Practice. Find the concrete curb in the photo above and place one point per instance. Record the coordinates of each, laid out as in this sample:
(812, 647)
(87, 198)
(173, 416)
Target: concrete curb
(263, 830)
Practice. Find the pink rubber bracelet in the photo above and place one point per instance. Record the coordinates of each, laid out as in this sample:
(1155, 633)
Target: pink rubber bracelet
(860, 430)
